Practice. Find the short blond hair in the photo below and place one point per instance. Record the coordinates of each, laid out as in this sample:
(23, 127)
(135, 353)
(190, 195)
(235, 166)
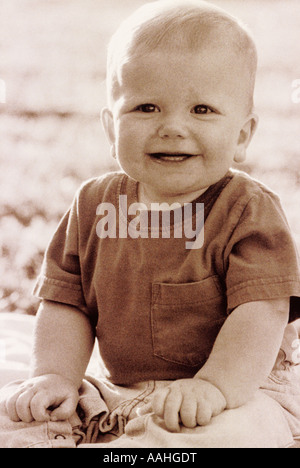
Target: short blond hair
(174, 25)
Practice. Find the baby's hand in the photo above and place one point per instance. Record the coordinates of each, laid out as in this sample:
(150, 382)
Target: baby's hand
(48, 397)
(191, 401)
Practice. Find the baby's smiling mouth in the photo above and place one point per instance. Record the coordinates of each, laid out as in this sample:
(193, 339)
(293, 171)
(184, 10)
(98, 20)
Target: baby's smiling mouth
(171, 157)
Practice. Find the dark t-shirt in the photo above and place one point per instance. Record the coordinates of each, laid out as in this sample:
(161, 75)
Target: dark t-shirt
(157, 305)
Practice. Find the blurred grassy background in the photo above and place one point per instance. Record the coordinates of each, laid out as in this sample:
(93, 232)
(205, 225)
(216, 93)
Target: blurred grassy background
(52, 59)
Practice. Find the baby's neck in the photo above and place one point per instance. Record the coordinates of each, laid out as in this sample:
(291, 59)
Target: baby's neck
(149, 197)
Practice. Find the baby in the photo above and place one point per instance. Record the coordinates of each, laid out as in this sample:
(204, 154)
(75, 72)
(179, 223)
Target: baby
(188, 337)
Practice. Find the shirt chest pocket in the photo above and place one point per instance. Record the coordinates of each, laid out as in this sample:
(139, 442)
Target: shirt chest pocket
(185, 320)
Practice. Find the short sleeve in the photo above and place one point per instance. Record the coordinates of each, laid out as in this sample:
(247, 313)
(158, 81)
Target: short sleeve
(60, 277)
(262, 259)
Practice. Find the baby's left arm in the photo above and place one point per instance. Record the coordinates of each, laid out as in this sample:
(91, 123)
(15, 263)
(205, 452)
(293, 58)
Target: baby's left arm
(242, 357)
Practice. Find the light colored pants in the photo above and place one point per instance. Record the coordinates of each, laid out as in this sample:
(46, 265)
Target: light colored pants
(109, 416)
(112, 417)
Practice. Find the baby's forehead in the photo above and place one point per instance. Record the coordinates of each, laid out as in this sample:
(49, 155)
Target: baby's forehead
(188, 32)
(180, 62)
(183, 77)
(211, 58)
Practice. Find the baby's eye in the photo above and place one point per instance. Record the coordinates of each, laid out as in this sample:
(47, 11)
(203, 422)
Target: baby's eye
(147, 108)
(202, 109)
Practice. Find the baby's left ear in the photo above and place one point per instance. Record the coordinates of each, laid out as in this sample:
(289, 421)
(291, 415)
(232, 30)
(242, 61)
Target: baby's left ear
(246, 134)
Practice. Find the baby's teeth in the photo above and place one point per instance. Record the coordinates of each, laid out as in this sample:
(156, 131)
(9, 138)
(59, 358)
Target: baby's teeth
(173, 158)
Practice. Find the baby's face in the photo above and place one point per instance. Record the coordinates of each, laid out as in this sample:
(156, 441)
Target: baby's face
(179, 121)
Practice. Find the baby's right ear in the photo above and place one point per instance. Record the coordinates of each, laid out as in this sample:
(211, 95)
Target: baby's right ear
(108, 124)
(109, 128)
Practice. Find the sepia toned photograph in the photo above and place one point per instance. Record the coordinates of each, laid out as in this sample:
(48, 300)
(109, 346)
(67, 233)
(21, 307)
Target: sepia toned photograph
(149, 226)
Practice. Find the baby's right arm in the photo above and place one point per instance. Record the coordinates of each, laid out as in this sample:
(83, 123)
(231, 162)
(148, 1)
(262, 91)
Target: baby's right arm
(63, 345)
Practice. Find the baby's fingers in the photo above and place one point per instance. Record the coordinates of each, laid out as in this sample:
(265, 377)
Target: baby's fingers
(172, 409)
(10, 405)
(39, 406)
(65, 409)
(188, 412)
(166, 404)
(158, 403)
(204, 413)
(18, 405)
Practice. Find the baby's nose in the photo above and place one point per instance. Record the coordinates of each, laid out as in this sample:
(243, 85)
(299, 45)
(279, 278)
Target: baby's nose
(173, 127)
